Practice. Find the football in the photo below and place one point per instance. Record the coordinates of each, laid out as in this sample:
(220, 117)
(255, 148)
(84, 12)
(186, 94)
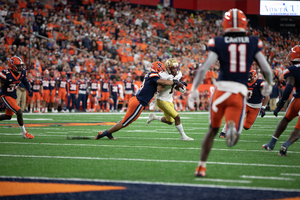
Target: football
(179, 85)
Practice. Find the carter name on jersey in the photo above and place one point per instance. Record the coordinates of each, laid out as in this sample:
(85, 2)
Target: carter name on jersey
(236, 39)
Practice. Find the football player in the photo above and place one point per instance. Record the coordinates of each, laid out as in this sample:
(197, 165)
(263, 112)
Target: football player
(9, 81)
(105, 92)
(94, 94)
(53, 87)
(292, 76)
(37, 87)
(128, 85)
(164, 99)
(115, 93)
(61, 92)
(46, 91)
(82, 93)
(137, 103)
(72, 88)
(254, 105)
(236, 52)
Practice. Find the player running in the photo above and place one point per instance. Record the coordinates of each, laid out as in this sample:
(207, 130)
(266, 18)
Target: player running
(164, 99)
(137, 103)
(292, 76)
(9, 81)
(235, 52)
(254, 105)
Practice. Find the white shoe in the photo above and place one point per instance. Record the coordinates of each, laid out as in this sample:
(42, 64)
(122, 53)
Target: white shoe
(150, 119)
(67, 111)
(121, 111)
(63, 111)
(73, 111)
(187, 138)
(231, 134)
(55, 111)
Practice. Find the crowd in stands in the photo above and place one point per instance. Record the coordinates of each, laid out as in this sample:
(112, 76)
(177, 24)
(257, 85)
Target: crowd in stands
(119, 40)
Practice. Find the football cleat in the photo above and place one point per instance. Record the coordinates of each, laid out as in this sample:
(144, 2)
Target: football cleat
(231, 134)
(200, 171)
(186, 138)
(268, 147)
(27, 136)
(222, 135)
(150, 119)
(101, 135)
(282, 151)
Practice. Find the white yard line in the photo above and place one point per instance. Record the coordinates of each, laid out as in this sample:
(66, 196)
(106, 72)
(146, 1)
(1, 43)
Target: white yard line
(151, 183)
(289, 174)
(222, 180)
(268, 178)
(147, 160)
(127, 146)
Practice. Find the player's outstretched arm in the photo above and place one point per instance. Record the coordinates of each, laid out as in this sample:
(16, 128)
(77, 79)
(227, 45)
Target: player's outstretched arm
(265, 67)
(164, 82)
(209, 61)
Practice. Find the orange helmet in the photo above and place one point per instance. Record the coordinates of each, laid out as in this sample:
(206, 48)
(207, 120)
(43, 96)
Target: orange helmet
(252, 74)
(234, 20)
(158, 67)
(15, 64)
(294, 55)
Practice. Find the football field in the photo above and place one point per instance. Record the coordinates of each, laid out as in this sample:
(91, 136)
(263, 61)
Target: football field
(144, 162)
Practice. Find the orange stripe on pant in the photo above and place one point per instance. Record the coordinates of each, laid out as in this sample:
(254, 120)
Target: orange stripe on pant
(251, 115)
(232, 107)
(134, 110)
(11, 104)
(293, 111)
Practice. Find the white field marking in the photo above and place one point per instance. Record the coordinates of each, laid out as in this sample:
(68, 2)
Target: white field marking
(288, 174)
(126, 146)
(148, 160)
(33, 119)
(152, 183)
(268, 178)
(222, 180)
(123, 113)
(162, 116)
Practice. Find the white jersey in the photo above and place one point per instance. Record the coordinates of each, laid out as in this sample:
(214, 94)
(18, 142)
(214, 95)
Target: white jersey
(167, 93)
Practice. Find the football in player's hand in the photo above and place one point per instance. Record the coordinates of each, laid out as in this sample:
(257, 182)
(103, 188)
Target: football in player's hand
(179, 85)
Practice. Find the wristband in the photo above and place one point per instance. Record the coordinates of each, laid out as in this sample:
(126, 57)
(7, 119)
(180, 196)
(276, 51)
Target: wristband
(263, 107)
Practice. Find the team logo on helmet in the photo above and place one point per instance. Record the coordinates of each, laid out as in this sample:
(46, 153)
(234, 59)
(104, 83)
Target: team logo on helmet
(294, 55)
(234, 20)
(157, 67)
(172, 66)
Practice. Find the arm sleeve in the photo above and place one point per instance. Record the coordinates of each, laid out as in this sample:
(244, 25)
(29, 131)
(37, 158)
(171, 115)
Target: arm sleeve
(286, 93)
(264, 65)
(26, 84)
(200, 75)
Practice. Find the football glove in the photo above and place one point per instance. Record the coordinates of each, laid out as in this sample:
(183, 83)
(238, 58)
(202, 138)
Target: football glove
(175, 81)
(184, 83)
(30, 93)
(267, 90)
(262, 111)
(279, 107)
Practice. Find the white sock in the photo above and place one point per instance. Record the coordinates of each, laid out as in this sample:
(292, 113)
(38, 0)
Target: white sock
(202, 163)
(224, 128)
(23, 129)
(30, 109)
(46, 109)
(34, 109)
(52, 109)
(180, 130)
(157, 117)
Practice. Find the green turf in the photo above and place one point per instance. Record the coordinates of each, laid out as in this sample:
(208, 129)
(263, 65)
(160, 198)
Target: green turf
(140, 153)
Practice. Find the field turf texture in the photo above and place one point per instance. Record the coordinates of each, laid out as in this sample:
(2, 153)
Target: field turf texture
(144, 162)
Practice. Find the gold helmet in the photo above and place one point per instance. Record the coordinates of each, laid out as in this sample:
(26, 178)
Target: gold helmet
(172, 66)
